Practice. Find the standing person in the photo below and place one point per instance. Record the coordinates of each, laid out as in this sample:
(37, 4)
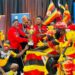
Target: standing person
(14, 36)
(24, 25)
(15, 39)
(23, 28)
(39, 30)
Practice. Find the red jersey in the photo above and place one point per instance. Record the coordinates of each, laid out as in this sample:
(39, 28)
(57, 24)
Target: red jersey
(37, 32)
(15, 39)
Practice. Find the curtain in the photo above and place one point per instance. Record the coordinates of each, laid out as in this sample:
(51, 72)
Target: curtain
(18, 6)
(1, 7)
(34, 7)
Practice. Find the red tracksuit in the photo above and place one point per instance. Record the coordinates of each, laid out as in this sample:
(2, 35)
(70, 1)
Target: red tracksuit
(15, 39)
(23, 30)
(37, 31)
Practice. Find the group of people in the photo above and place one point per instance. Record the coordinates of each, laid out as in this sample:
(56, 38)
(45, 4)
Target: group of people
(45, 48)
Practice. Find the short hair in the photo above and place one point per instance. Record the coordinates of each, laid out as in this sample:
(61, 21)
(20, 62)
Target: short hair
(15, 20)
(40, 17)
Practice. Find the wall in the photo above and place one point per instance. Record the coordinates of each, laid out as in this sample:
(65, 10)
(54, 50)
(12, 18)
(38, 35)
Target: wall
(34, 7)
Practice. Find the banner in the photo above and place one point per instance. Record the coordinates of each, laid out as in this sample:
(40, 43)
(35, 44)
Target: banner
(19, 16)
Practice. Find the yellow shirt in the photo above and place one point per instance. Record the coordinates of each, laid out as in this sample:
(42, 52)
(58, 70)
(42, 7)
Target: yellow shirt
(12, 73)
